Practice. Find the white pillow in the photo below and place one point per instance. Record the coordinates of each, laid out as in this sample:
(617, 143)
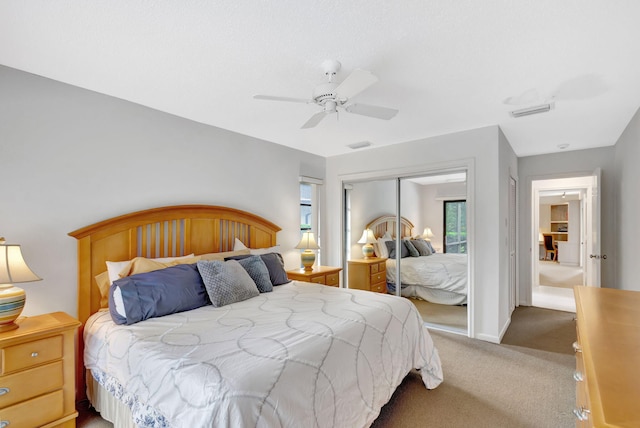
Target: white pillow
(382, 248)
(114, 268)
(238, 245)
(260, 251)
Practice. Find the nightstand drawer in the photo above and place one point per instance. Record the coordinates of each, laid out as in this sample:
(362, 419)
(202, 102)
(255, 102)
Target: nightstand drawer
(378, 277)
(30, 383)
(382, 267)
(333, 279)
(374, 268)
(379, 287)
(34, 413)
(318, 280)
(31, 354)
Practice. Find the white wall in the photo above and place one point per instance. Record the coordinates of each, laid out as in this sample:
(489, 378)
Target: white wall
(627, 219)
(72, 157)
(478, 148)
(577, 163)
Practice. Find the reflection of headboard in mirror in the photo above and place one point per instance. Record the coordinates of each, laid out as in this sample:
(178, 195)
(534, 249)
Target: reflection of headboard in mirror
(387, 223)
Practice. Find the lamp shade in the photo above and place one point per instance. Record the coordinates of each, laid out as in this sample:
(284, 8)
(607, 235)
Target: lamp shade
(13, 269)
(308, 257)
(427, 233)
(307, 242)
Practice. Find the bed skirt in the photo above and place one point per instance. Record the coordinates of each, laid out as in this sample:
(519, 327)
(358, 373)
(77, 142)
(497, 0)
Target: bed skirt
(109, 407)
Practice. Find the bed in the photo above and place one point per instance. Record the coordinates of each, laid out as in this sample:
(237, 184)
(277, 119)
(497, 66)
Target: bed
(438, 277)
(301, 355)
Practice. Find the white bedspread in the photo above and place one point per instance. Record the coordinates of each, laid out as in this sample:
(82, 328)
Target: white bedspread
(439, 278)
(304, 355)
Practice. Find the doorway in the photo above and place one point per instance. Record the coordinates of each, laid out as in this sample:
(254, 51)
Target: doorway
(564, 239)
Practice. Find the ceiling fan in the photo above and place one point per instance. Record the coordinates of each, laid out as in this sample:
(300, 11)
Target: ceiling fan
(331, 96)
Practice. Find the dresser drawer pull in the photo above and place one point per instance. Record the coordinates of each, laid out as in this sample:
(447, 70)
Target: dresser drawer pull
(577, 376)
(33, 355)
(4, 391)
(577, 347)
(4, 424)
(581, 414)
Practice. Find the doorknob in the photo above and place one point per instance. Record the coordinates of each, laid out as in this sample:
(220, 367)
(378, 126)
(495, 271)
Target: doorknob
(598, 256)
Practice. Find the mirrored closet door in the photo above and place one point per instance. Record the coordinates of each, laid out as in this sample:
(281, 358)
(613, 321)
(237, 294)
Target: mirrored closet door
(417, 229)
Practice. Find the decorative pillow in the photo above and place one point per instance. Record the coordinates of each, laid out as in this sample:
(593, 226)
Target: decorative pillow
(114, 268)
(275, 266)
(261, 251)
(258, 271)
(223, 255)
(102, 280)
(422, 247)
(239, 245)
(413, 252)
(433, 250)
(154, 294)
(226, 282)
(391, 248)
(142, 265)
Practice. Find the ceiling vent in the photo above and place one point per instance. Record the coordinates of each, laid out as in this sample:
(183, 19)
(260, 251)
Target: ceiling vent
(359, 145)
(542, 108)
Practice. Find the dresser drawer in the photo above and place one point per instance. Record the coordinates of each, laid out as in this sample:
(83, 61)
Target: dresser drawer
(378, 277)
(380, 287)
(30, 354)
(333, 279)
(30, 383)
(35, 412)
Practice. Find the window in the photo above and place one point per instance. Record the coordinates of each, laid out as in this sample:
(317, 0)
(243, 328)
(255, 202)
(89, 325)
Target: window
(306, 213)
(455, 227)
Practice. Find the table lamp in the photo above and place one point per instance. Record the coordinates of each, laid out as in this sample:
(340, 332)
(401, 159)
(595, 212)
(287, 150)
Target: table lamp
(427, 234)
(368, 238)
(308, 244)
(13, 269)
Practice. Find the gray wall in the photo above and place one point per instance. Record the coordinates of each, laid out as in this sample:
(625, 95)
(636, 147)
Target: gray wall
(562, 165)
(72, 157)
(627, 218)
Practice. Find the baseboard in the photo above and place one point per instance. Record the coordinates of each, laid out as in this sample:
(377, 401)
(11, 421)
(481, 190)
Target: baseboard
(504, 329)
(488, 338)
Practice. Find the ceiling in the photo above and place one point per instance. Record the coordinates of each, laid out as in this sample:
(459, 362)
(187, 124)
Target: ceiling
(445, 65)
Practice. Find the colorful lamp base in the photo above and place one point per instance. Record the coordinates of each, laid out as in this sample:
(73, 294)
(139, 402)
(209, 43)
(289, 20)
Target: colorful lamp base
(308, 258)
(12, 300)
(367, 251)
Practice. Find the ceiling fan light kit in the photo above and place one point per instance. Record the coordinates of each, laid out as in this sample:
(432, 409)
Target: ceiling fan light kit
(541, 108)
(332, 96)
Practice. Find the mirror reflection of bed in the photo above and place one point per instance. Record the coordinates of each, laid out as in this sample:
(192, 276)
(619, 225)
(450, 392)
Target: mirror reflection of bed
(434, 280)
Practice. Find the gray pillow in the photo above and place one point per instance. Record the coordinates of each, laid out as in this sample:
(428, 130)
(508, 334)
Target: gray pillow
(275, 265)
(422, 246)
(226, 282)
(413, 252)
(391, 247)
(258, 271)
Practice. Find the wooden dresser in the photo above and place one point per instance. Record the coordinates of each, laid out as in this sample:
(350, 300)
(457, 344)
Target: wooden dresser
(326, 275)
(607, 357)
(368, 274)
(37, 372)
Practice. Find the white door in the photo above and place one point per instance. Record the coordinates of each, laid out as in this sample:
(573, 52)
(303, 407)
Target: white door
(512, 245)
(592, 255)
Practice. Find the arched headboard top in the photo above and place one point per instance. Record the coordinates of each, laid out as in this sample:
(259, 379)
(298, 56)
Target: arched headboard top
(387, 223)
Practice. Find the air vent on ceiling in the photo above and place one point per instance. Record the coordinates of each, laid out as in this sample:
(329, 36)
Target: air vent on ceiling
(542, 108)
(359, 145)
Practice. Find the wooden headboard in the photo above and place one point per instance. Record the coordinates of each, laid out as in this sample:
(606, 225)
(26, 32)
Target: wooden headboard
(387, 223)
(159, 232)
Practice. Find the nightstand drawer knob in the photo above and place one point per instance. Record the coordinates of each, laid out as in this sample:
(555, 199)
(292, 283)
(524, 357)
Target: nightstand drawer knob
(4, 424)
(33, 355)
(4, 391)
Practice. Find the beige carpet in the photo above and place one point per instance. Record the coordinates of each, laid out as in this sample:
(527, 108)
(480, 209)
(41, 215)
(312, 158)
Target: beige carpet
(556, 275)
(524, 382)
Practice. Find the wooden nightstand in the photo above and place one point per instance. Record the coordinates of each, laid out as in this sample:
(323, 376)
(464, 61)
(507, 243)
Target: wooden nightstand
(37, 372)
(326, 275)
(368, 274)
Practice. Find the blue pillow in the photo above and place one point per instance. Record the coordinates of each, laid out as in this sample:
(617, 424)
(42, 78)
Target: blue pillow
(413, 251)
(275, 266)
(258, 271)
(226, 282)
(161, 292)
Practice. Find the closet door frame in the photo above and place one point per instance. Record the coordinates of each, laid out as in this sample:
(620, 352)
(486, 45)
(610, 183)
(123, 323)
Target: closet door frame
(398, 174)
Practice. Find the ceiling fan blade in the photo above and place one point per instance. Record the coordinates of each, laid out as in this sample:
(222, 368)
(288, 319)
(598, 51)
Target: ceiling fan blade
(372, 111)
(314, 120)
(275, 98)
(356, 82)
